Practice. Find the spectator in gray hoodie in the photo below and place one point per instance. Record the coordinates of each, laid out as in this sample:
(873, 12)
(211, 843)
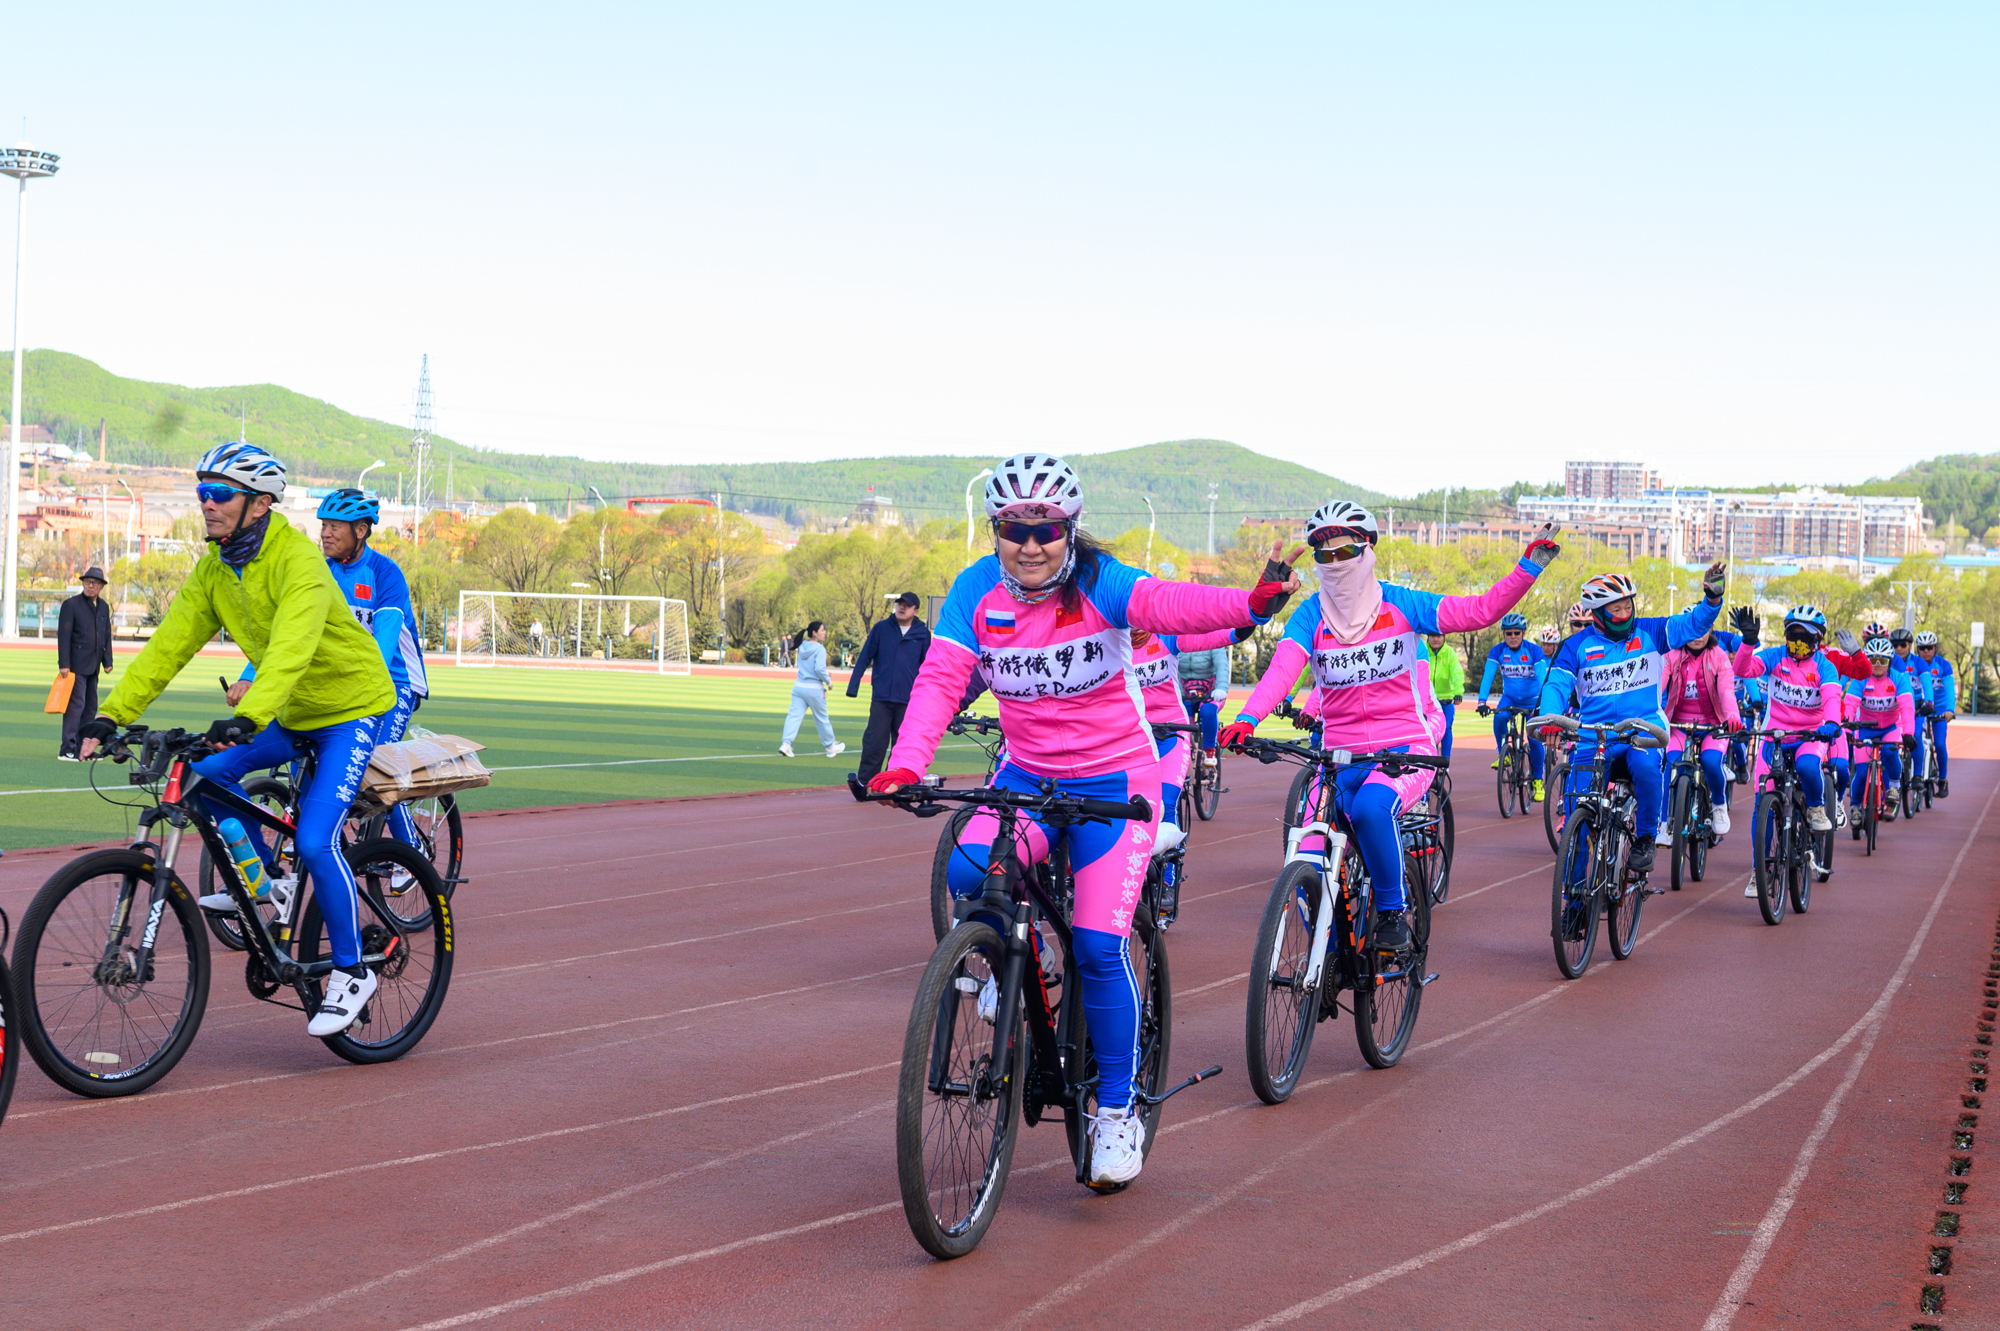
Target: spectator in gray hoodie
(809, 692)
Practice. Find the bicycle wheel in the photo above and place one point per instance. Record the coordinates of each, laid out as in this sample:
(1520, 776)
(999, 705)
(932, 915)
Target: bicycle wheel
(1555, 773)
(1503, 780)
(1385, 1010)
(440, 836)
(96, 1026)
(1771, 855)
(1156, 1025)
(10, 1049)
(1801, 884)
(1297, 812)
(1871, 814)
(1573, 902)
(1282, 1013)
(274, 795)
(1678, 814)
(1209, 796)
(1910, 801)
(413, 978)
(1447, 835)
(1623, 901)
(1704, 838)
(941, 916)
(955, 1119)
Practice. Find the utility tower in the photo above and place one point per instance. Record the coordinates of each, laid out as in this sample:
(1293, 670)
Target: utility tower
(420, 447)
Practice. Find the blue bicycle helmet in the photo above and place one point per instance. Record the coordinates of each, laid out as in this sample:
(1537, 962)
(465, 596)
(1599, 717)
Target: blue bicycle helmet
(350, 505)
(1807, 616)
(1514, 619)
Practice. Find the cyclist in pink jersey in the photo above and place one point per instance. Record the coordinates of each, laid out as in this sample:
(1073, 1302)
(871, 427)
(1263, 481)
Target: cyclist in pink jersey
(1884, 708)
(1803, 693)
(1698, 688)
(1373, 681)
(1048, 619)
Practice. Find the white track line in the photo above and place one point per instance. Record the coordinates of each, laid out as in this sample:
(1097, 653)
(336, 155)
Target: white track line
(139, 1101)
(689, 887)
(1867, 1025)
(327, 1303)
(476, 1147)
(1467, 896)
(702, 758)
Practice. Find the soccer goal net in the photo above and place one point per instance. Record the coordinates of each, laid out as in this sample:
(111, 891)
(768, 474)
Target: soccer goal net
(573, 631)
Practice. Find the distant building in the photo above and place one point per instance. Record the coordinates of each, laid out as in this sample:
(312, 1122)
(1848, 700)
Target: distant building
(1706, 524)
(875, 511)
(1608, 480)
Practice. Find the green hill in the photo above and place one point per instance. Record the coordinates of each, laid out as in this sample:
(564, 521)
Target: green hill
(154, 424)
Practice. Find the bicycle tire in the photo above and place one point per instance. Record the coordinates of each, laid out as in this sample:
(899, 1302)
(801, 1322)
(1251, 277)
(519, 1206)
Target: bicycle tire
(41, 962)
(1501, 783)
(1872, 814)
(925, 1162)
(1210, 787)
(1910, 801)
(1624, 901)
(1769, 857)
(1573, 914)
(1698, 848)
(275, 794)
(1678, 815)
(413, 982)
(431, 816)
(10, 1049)
(1447, 838)
(1156, 1028)
(1281, 1014)
(1385, 1014)
(1295, 814)
(941, 903)
(1554, 773)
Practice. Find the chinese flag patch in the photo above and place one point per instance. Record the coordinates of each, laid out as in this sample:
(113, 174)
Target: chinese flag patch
(1067, 615)
(363, 591)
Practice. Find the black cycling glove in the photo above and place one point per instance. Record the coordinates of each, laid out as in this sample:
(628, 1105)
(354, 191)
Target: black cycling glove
(1747, 623)
(231, 730)
(99, 728)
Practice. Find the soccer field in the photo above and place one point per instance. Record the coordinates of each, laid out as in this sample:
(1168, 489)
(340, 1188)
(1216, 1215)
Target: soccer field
(551, 736)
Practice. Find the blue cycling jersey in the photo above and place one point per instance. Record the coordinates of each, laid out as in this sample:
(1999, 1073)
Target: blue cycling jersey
(1619, 679)
(373, 583)
(1521, 671)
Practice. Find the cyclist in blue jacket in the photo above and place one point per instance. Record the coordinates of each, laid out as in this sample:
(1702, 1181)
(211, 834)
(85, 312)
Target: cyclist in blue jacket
(1942, 688)
(1521, 666)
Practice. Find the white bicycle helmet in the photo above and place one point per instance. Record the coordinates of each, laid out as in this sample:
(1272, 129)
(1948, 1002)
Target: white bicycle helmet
(1549, 636)
(1926, 638)
(1808, 616)
(1341, 513)
(1878, 649)
(1034, 485)
(247, 465)
(1605, 588)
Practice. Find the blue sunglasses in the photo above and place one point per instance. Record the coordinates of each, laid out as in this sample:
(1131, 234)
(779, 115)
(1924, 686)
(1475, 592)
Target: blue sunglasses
(215, 492)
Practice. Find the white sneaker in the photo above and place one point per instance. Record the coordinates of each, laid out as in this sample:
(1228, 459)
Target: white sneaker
(837, 749)
(1817, 820)
(1664, 837)
(1115, 1157)
(1171, 835)
(786, 748)
(1750, 889)
(346, 995)
(1718, 818)
(989, 1001)
(219, 902)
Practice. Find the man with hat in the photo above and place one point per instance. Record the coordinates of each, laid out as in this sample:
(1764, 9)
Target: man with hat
(83, 647)
(896, 647)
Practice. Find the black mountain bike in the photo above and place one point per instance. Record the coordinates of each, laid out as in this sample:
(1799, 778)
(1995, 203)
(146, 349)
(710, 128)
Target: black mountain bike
(1591, 871)
(1864, 819)
(1690, 811)
(1204, 777)
(1514, 778)
(968, 1079)
(10, 1045)
(107, 1013)
(985, 732)
(1315, 939)
(1786, 856)
(1916, 775)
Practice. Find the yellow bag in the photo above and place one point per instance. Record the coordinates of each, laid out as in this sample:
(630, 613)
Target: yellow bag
(59, 692)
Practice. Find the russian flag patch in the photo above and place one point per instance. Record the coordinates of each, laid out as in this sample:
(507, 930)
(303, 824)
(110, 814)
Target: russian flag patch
(999, 621)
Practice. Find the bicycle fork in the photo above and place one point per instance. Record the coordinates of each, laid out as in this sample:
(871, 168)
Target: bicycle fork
(1327, 861)
(112, 966)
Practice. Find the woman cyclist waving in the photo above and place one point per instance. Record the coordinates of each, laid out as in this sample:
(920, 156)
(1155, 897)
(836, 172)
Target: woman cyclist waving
(1372, 681)
(1048, 619)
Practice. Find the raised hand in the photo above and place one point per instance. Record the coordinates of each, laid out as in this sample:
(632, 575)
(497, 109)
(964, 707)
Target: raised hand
(1542, 551)
(1713, 581)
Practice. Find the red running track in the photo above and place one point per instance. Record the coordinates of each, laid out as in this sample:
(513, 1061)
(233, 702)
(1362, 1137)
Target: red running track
(660, 1095)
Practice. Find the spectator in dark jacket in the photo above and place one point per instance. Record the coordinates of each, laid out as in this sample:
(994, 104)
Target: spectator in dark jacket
(896, 648)
(83, 647)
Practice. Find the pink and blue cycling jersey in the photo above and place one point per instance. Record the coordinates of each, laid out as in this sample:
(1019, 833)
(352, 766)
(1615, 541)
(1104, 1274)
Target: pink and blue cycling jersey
(1376, 693)
(1800, 695)
(1885, 706)
(1063, 678)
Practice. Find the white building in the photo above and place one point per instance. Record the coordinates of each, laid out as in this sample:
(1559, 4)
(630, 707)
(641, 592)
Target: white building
(1706, 524)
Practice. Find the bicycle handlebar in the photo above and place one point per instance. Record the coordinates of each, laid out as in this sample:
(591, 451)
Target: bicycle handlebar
(157, 750)
(1645, 730)
(1050, 803)
(1271, 750)
(981, 725)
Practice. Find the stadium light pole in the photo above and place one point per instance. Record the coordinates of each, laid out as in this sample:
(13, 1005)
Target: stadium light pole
(360, 482)
(24, 164)
(983, 474)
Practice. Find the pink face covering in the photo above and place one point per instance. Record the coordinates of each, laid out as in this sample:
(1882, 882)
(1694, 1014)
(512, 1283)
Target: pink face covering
(1349, 596)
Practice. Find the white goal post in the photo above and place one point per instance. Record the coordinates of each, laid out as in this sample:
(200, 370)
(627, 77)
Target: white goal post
(572, 631)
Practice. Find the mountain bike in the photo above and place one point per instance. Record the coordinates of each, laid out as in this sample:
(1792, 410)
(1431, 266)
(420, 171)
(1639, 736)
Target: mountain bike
(985, 733)
(1555, 770)
(968, 1081)
(1691, 813)
(1916, 775)
(1786, 855)
(107, 1014)
(1315, 941)
(1514, 777)
(10, 1046)
(1865, 819)
(1592, 875)
(1204, 778)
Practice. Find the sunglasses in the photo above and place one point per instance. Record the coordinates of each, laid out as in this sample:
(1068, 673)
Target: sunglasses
(1338, 554)
(1041, 533)
(1513, 633)
(215, 492)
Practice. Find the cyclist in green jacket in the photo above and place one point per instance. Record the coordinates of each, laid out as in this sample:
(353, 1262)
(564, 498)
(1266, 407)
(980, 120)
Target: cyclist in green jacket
(321, 685)
(1447, 682)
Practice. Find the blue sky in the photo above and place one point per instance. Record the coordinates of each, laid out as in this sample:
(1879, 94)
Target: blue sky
(1402, 244)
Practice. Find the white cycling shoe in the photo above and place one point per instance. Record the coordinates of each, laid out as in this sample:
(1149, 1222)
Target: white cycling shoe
(1718, 818)
(346, 995)
(1817, 820)
(989, 1001)
(1116, 1156)
(1664, 837)
(1170, 837)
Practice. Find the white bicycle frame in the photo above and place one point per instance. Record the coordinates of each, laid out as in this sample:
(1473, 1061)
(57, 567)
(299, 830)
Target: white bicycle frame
(1328, 863)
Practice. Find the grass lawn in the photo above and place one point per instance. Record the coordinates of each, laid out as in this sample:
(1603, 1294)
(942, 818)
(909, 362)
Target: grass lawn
(551, 736)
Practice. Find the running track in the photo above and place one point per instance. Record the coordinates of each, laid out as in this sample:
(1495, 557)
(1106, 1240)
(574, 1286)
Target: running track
(660, 1095)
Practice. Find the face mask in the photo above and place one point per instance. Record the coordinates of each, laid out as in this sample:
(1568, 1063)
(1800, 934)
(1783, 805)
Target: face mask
(1615, 632)
(1349, 596)
(1800, 650)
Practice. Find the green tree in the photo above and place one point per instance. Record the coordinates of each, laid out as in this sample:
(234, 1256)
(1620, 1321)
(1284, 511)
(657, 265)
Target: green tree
(521, 551)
